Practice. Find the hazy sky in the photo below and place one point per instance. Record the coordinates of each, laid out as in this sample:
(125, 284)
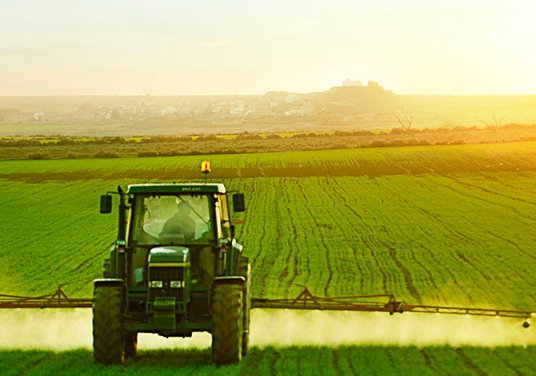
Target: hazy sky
(251, 47)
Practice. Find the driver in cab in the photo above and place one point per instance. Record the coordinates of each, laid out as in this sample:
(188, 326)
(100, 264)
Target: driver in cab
(181, 223)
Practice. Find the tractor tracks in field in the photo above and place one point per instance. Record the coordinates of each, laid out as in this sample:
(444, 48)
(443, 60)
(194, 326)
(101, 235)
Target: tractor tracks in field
(518, 218)
(428, 361)
(468, 363)
(89, 260)
(508, 364)
(336, 362)
(514, 210)
(260, 255)
(328, 256)
(407, 275)
(252, 363)
(489, 191)
(519, 215)
(338, 220)
(459, 255)
(393, 254)
(271, 251)
(512, 244)
(411, 254)
(32, 366)
(351, 367)
(288, 260)
(501, 181)
(447, 270)
(273, 371)
(358, 231)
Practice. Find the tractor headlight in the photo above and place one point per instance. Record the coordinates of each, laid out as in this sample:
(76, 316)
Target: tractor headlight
(156, 284)
(176, 284)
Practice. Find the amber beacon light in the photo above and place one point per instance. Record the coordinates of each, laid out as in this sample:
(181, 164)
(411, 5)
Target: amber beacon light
(205, 168)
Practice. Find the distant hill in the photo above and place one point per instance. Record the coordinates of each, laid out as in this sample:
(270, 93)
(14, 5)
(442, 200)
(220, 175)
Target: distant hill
(340, 108)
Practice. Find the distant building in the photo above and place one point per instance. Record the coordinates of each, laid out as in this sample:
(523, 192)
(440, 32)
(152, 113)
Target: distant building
(168, 110)
(353, 91)
(297, 112)
(199, 112)
(39, 116)
(292, 97)
(127, 110)
(349, 82)
(237, 108)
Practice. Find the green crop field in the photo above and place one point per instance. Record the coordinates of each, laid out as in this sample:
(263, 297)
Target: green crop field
(432, 225)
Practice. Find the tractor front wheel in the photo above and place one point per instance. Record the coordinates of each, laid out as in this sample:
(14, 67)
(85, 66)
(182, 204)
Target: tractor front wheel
(227, 323)
(108, 343)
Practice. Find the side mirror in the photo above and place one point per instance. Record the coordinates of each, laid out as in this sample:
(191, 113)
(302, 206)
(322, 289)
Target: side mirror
(239, 204)
(105, 204)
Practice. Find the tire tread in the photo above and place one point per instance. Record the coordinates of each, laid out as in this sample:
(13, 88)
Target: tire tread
(227, 324)
(108, 345)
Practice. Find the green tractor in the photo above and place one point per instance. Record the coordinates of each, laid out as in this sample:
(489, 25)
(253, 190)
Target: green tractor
(175, 269)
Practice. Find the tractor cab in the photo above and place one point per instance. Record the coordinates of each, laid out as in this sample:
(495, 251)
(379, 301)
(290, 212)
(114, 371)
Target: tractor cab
(173, 224)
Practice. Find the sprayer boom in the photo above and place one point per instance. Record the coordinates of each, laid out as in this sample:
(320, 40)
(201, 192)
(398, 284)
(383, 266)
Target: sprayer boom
(56, 300)
(306, 300)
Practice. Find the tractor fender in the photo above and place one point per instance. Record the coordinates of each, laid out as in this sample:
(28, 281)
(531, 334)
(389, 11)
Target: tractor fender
(235, 280)
(109, 282)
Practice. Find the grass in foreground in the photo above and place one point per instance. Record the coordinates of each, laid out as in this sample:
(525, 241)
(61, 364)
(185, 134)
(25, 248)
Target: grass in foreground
(346, 360)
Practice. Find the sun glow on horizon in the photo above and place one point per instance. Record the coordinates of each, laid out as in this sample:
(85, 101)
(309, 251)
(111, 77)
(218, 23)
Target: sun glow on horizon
(240, 47)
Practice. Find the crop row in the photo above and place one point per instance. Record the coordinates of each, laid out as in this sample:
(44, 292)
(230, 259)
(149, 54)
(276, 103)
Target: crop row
(516, 157)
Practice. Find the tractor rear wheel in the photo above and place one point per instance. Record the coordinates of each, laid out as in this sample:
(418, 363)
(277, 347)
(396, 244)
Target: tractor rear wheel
(108, 345)
(130, 344)
(227, 323)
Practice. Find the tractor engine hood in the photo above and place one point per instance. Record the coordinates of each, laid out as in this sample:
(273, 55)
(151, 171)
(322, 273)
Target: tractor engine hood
(169, 273)
(170, 254)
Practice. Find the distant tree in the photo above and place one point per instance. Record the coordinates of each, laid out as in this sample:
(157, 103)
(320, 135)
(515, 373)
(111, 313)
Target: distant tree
(497, 122)
(405, 119)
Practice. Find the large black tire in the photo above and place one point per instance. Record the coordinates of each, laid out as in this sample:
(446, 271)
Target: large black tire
(130, 344)
(227, 324)
(245, 271)
(108, 343)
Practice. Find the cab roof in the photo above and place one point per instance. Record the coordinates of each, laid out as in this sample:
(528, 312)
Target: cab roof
(176, 188)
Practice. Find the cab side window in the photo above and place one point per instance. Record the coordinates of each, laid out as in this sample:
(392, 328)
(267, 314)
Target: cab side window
(226, 221)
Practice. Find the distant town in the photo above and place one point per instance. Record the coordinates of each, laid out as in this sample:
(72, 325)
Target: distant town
(126, 109)
(352, 105)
